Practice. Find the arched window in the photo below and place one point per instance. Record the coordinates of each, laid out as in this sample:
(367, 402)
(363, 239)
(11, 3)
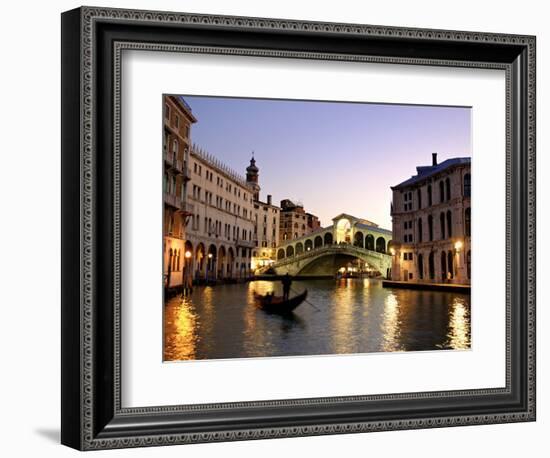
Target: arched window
(420, 261)
(469, 263)
(430, 227)
(419, 236)
(295, 225)
(443, 266)
(178, 261)
(449, 224)
(175, 146)
(442, 225)
(172, 185)
(467, 185)
(296, 235)
(170, 223)
(419, 198)
(430, 195)
(441, 191)
(448, 188)
(285, 236)
(450, 263)
(467, 222)
(431, 265)
(170, 260)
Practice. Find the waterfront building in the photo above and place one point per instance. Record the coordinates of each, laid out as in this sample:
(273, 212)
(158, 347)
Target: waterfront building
(177, 121)
(295, 222)
(220, 232)
(431, 224)
(266, 222)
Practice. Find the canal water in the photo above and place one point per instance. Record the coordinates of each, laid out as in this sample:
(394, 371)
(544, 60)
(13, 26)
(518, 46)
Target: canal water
(353, 316)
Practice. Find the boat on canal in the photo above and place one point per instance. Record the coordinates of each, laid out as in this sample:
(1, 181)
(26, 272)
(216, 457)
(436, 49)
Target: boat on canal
(277, 304)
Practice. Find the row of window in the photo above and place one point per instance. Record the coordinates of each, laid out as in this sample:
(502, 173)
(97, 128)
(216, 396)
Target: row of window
(175, 120)
(214, 227)
(445, 227)
(444, 193)
(197, 169)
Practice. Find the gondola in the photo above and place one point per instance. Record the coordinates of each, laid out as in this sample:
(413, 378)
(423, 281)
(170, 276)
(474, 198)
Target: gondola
(276, 304)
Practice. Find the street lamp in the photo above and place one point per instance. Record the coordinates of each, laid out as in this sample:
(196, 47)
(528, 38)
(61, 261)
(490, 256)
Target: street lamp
(187, 255)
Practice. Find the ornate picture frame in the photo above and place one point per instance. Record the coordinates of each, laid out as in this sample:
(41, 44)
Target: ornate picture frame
(93, 416)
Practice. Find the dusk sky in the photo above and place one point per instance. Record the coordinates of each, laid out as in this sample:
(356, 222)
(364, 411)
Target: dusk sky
(332, 157)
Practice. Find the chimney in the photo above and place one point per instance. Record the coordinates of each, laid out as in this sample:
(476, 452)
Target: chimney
(269, 199)
(434, 159)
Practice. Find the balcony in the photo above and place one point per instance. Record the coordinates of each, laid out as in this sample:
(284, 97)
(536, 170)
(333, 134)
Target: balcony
(187, 208)
(173, 200)
(173, 162)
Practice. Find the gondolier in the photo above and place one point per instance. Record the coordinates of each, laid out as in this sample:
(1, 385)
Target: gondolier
(287, 282)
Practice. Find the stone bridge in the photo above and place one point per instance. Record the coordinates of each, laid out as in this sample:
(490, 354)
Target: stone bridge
(326, 250)
(326, 260)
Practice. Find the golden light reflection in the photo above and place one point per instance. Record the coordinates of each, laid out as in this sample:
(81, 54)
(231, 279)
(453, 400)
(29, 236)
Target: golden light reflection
(342, 316)
(459, 325)
(390, 324)
(180, 330)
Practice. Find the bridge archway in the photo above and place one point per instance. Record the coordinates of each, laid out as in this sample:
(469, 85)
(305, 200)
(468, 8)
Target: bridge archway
(358, 239)
(289, 251)
(299, 248)
(309, 245)
(318, 242)
(280, 253)
(380, 245)
(328, 238)
(343, 231)
(369, 242)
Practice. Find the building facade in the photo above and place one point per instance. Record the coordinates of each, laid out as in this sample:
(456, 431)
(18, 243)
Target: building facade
(220, 231)
(177, 121)
(295, 222)
(431, 224)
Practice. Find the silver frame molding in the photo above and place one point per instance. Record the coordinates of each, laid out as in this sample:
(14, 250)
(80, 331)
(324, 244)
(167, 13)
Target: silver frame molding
(93, 40)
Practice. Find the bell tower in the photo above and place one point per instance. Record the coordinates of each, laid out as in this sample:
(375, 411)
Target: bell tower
(252, 174)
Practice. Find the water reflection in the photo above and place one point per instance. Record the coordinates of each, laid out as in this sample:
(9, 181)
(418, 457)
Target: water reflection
(181, 328)
(354, 316)
(390, 324)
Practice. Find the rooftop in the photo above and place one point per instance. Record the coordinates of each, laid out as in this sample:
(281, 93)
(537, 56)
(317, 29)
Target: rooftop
(424, 172)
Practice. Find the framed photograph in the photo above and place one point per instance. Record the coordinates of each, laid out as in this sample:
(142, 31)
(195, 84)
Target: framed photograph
(276, 228)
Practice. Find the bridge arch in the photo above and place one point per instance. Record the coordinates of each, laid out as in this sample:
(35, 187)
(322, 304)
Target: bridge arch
(308, 245)
(318, 242)
(369, 242)
(280, 253)
(299, 248)
(380, 245)
(328, 238)
(289, 251)
(358, 239)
